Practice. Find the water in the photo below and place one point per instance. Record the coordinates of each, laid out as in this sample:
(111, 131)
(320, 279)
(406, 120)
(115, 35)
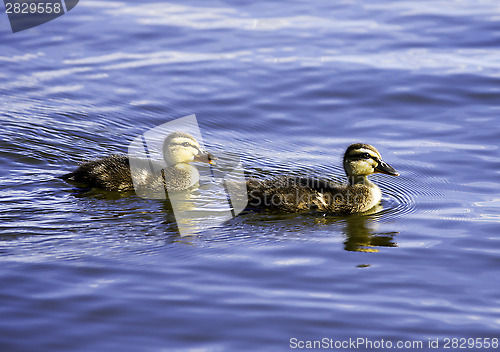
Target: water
(287, 88)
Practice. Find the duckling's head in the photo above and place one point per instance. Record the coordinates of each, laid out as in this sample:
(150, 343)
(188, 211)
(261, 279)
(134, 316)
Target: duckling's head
(181, 147)
(363, 159)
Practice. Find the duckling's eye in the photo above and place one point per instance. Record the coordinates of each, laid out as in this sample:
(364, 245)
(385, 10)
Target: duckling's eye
(366, 156)
(186, 144)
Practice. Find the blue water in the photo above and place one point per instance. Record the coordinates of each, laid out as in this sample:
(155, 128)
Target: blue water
(287, 87)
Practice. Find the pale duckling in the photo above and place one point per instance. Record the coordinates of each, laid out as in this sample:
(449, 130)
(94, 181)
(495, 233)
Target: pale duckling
(114, 173)
(298, 194)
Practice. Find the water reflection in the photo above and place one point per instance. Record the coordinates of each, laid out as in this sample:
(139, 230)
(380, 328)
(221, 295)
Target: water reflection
(361, 231)
(362, 235)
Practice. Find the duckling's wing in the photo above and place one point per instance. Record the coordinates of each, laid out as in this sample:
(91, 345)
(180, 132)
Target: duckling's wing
(290, 193)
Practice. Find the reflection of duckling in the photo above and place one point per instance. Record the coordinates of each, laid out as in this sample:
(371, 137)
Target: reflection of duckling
(295, 194)
(362, 234)
(113, 173)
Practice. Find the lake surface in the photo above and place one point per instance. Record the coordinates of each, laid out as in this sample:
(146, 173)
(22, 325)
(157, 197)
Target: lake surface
(288, 88)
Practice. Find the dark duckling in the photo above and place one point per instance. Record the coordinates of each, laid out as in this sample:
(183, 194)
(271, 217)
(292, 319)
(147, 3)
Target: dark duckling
(301, 194)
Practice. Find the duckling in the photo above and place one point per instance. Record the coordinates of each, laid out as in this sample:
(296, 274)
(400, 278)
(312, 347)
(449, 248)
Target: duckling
(298, 194)
(114, 172)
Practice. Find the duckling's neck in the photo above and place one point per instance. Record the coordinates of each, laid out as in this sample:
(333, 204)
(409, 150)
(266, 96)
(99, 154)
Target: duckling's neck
(358, 179)
(185, 170)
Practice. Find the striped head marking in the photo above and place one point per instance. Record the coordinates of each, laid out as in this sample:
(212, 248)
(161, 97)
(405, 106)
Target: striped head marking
(363, 159)
(181, 147)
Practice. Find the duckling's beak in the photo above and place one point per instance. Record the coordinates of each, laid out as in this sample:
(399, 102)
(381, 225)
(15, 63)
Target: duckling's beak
(205, 157)
(385, 168)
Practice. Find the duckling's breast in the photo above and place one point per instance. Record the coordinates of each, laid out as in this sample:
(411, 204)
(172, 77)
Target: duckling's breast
(181, 177)
(362, 197)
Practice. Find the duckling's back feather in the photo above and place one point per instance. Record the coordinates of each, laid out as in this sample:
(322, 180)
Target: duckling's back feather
(111, 173)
